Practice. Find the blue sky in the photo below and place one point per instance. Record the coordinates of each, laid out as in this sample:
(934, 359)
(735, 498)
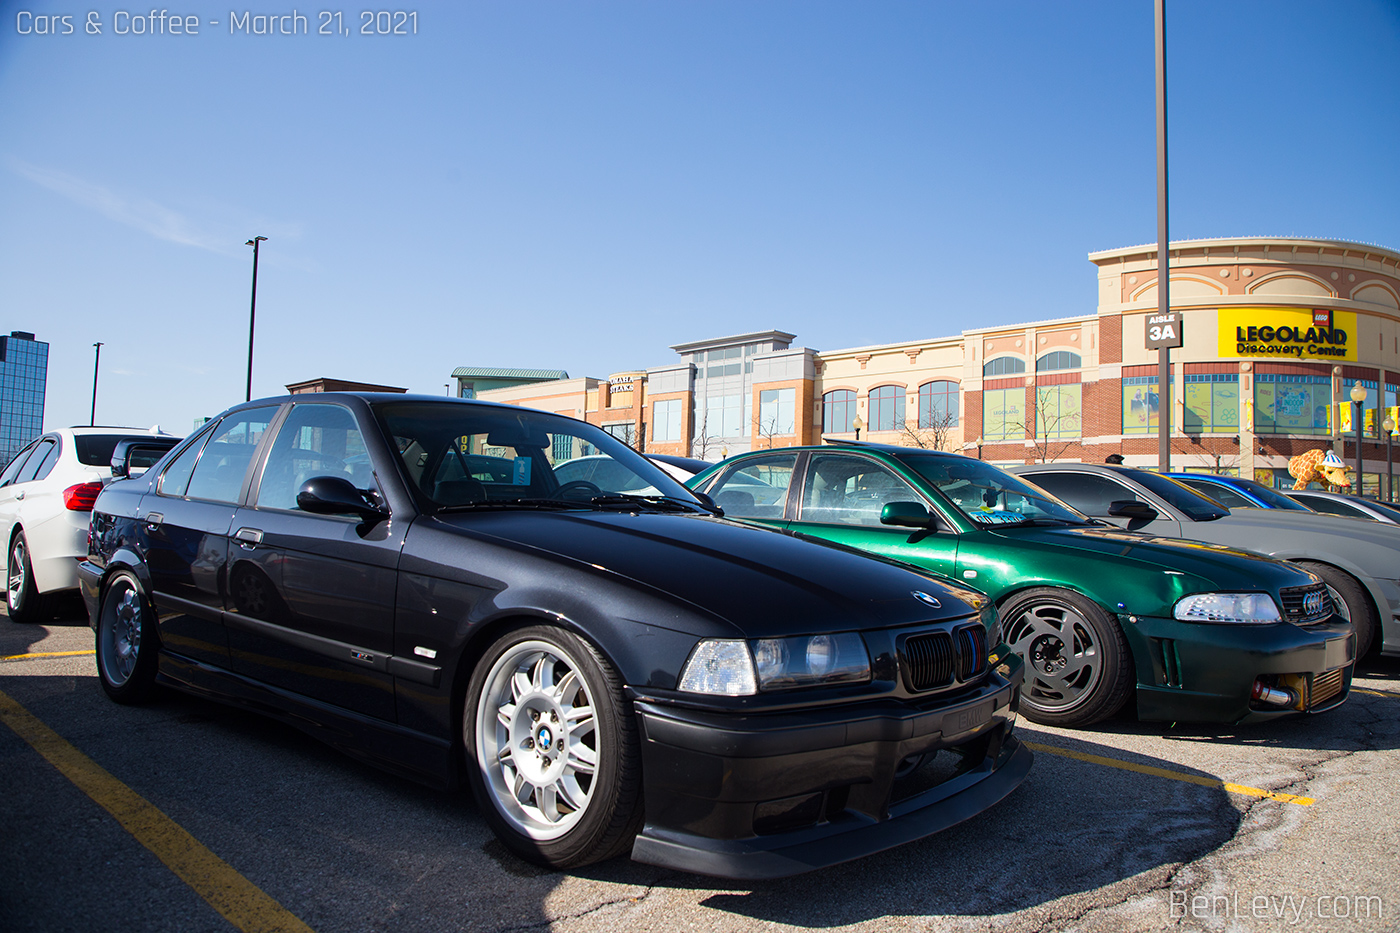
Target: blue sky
(578, 185)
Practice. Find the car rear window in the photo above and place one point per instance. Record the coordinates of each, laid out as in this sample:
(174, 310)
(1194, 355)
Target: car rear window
(96, 449)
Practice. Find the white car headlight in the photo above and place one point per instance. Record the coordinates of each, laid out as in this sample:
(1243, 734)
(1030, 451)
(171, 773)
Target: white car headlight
(720, 667)
(1246, 608)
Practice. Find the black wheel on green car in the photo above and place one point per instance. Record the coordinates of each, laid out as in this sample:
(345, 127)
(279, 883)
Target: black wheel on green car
(127, 642)
(23, 601)
(1351, 601)
(1078, 668)
(552, 749)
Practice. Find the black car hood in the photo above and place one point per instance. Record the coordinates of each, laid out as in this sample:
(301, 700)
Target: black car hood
(767, 583)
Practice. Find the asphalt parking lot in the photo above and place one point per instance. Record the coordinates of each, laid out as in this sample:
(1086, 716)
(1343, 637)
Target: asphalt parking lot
(189, 816)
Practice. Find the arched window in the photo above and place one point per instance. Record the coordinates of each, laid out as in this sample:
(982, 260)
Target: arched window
(1058, 359)
(838, 409)
(938, 404)
(1004, 366)
(886, 408)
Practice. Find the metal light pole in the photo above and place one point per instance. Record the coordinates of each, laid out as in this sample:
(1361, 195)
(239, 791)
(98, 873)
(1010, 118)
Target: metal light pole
(253, 312)
(1358, 398)
(96, 362)
(1164, 369)
(1389, 425)
(857, 424)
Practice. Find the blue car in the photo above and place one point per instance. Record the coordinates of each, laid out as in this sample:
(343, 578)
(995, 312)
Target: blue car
(1234, 492)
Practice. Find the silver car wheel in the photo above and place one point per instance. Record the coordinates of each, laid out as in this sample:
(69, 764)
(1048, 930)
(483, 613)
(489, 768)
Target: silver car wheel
(537, 741)
(1061, 654)
(15, 577)
(119, 637)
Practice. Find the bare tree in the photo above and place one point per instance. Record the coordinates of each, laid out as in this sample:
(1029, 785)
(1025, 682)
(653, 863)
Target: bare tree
(931, 436)
(770, 429)
(1045, 441)
(703, 440)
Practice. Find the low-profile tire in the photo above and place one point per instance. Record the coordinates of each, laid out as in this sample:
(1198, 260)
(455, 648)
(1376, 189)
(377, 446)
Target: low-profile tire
(1352, 604)
(1078, 667)
(552, 749)
(127, 641)
(23, 601)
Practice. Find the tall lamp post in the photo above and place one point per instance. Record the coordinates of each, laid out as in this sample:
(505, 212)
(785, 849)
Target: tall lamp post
(857, 424)
(96, 361)
(1358, 398)
(1388, 425)
(252, 313)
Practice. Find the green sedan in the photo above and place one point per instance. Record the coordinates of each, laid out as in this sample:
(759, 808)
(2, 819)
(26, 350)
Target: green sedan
(1195, 632)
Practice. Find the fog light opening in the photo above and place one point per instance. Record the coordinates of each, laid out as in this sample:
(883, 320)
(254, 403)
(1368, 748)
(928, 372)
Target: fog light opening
(1274, 696)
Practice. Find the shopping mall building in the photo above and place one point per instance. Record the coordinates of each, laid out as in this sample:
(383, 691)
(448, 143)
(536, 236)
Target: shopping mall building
(1277, 331)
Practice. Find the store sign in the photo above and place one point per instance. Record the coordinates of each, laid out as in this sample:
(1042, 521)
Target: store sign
(1164, 331)
(1287, 334)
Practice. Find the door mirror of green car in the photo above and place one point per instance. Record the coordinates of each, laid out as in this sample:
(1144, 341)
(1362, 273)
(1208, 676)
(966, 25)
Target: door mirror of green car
(908, 514)
(1132, 509)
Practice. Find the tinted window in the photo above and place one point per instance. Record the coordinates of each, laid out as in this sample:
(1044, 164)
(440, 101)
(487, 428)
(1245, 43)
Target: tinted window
(851, 490)
(1222, 494)
(177, 475)
(1336, 507)
(315, 440)
(141, 459)
(1087, 492)
(96, 449)
(1273, 497)
(42, 459)
(16, 465)
(756, 488)
(218, 476)
(1181, 497)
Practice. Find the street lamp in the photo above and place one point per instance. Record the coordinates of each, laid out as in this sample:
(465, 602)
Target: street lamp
(979, 448)
(1358, 398)
(97, 360)
(1389, 426)
(857, 424)
(252, 313)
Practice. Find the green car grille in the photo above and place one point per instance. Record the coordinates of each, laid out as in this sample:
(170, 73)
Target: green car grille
(1306, 605)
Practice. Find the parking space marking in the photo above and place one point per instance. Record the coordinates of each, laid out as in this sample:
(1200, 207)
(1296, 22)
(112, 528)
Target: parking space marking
(46, 654)
(241, 902)
(1377, 693)
(1172, 775)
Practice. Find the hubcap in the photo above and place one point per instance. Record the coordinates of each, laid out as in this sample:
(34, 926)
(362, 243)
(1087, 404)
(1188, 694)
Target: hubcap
(15, 577)
(537, 739)
(1063, 665)
(121, 636)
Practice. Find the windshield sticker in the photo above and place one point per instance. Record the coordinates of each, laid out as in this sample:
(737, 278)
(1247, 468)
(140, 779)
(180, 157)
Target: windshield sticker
(521, 475)
(996, 517)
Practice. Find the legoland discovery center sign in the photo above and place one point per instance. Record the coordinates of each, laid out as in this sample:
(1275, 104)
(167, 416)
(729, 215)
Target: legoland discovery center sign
(1287, 333)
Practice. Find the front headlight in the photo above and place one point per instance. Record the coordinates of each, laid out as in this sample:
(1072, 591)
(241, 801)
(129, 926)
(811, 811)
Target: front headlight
(1246, 608)
(991, 620)
(738, 668)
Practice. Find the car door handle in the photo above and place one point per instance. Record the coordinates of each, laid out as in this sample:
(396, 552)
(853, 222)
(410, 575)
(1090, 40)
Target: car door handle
(248, 538)
(20, 494)
(153, 520)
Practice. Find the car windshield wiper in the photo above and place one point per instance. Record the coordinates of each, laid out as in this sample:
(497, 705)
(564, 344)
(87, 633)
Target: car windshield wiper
(1047, 520)
(486, 505)
(659, 503)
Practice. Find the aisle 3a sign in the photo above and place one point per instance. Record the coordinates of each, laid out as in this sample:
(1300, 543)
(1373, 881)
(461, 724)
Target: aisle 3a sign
(1164, 331)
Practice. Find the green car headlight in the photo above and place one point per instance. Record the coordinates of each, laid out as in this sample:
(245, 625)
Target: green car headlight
(809, 660)
(1245, 608)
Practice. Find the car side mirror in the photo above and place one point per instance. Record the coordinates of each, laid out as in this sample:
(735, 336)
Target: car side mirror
(334, 495)
(1132, 509)
(708, 503)
(907, 514)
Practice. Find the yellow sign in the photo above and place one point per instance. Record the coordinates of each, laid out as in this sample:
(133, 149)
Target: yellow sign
(1287, 334)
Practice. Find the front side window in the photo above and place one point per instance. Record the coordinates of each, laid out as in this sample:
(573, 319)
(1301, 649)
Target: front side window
(886, 408)
(756, 488)
(987, 494)
(315, 440)
(218, 475)
(838, 411)
(848, 490)
(1222, 494)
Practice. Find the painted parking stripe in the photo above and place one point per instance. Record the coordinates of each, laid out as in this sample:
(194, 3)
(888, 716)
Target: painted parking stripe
(241, 902)
(1172, 775)
(1377, 693)
(46, 654)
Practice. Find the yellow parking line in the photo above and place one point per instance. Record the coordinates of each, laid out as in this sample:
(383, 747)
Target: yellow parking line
(1172, 775)
(1376, 693)
(242, 903)
(46, 654)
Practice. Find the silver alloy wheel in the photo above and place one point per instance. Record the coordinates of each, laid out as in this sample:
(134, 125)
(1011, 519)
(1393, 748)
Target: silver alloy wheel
(1063, 663)
(537, 739)
(121, 636)
(15, 578)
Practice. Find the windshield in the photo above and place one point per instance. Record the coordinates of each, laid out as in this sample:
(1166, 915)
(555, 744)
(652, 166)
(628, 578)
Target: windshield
(475, 456)
(1180, 496)
(989, 495)
(1274, 498)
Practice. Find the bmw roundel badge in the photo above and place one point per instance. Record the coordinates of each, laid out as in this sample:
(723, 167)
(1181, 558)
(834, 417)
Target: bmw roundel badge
(926, 598)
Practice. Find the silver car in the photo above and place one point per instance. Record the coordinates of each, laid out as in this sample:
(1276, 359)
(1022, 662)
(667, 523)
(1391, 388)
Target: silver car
(1360, 561)
(1335, 503)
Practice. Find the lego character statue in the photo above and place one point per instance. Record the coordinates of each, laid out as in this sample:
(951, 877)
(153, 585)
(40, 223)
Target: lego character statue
(1316, 466)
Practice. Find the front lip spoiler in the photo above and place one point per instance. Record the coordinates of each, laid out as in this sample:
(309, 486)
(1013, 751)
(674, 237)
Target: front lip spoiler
(842, 841)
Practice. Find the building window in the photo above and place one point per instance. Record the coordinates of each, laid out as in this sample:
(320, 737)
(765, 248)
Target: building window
(1059, 411)
(466, 390)
(666, 420)
(1140, 404)
(1212, 403)
(938, 404)
(1057, 360)
(724, 416)
(886, 408)
(1004, 366)
(1291, 404)
(1004, 414)
(624, 431)
(838, 411)
(1372, 388)
(775, 411)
